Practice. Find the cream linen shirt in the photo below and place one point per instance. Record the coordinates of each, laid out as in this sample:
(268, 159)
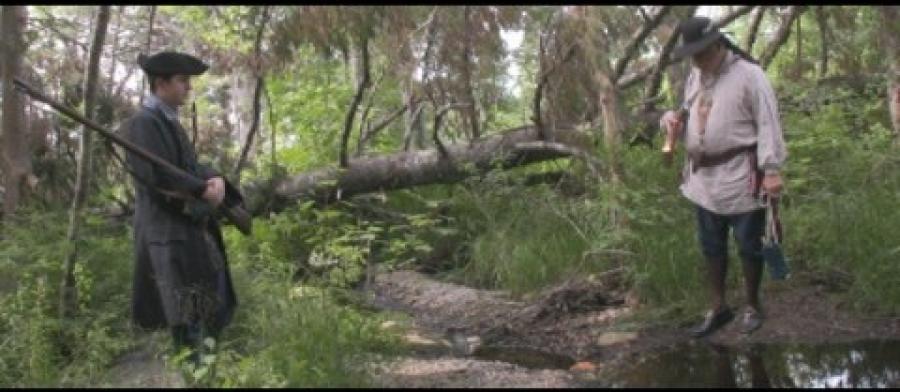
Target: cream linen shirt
(744, 111)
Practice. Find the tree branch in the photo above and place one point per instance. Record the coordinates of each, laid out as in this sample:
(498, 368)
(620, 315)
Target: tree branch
(636, 40)
(68, 292)
(754, 28)
(257, 95)
(633, 78)
(410, 125)
(254, 126)
(781, 36)
(272, 126)
(542, 81)
(438, 119)
(563, 149)
(652, 87)
(731, 16)
(364, 124)
(371, 131)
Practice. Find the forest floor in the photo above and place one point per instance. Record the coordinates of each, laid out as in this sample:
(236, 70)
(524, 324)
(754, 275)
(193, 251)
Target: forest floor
(592, 326)
(565, 336)
(144, 367)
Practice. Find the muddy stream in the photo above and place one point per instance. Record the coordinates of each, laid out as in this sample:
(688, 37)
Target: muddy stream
(570, 337)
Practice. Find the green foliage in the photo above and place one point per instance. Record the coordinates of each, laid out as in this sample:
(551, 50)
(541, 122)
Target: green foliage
(666, 272)
(37, 348)
(525, 238)
(312, 95)
(842, 211)
(298, 334)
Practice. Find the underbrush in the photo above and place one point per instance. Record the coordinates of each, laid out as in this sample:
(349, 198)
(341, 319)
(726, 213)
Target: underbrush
(839, 211)
(524, 238)
(287, 333)
(37, 348)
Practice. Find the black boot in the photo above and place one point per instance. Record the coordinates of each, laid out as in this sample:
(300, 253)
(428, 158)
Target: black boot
(186, 337)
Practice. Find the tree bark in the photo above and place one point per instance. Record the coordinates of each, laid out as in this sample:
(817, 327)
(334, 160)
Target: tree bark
(257, 95)
(415, 129)
(798, 60)
(14, 159)
(147, 51)
(114, 52)
(781, 36)
(637, 39)
(68, 303)
(254, 127)
(891, 36)
(422, 167)
(824, 36)
(351, 112)
(272, 126)
(754, 28)
(612, 124)
(472, 110)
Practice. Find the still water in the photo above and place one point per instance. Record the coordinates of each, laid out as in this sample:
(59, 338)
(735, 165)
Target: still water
(868, 364)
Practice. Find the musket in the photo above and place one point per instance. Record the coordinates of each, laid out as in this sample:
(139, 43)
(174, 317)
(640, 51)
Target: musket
(232, 210)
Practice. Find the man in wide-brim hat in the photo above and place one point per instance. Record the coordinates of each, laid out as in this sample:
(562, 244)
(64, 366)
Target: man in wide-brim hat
(181, 276)
(735, 147)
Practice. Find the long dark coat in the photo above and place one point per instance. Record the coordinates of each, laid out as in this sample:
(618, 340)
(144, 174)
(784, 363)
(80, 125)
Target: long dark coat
(181, 273)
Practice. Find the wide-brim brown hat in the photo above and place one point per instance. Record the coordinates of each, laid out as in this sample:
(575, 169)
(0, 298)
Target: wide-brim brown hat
(697, 33)
(171, 63)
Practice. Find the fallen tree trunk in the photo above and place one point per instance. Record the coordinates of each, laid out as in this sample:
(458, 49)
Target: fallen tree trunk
(513, 148)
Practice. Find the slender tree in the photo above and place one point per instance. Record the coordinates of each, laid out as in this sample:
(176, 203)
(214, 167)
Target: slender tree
(68, 293)
(257, 93)
(14, 159)
(890, 32)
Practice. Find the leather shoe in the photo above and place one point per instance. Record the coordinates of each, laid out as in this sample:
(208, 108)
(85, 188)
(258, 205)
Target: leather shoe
(713, 321)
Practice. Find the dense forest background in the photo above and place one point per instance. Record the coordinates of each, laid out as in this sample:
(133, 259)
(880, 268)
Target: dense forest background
(509, 148)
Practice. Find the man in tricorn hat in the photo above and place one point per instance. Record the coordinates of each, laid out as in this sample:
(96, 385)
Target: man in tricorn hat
(181, 276)
(734, 145)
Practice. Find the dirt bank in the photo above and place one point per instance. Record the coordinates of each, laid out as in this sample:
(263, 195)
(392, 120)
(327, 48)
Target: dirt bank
(588, 321)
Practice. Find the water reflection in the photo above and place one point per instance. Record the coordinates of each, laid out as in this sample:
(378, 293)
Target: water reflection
(871, 364)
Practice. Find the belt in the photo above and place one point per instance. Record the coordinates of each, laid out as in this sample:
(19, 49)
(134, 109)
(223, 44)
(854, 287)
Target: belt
(705, 160)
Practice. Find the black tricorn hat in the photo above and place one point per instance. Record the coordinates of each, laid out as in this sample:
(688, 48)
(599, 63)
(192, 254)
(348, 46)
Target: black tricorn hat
(696, 34)
(171, 63)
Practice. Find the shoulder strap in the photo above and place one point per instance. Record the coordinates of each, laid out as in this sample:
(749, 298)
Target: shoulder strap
(690, 101)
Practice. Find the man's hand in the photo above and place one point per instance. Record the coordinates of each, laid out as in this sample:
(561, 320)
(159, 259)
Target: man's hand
(772, 184)
(671, 120)
(215, 191)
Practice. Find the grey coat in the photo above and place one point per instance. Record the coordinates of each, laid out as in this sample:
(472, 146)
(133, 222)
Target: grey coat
(181, 273)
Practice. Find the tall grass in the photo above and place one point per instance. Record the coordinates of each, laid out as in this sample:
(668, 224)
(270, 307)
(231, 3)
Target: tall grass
(525, 238)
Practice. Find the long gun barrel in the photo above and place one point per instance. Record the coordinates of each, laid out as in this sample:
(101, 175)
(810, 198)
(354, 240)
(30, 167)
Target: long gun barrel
(235, 213)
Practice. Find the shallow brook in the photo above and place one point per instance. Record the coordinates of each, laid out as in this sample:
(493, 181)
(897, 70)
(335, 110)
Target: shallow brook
(525, 357)
(872, 364)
